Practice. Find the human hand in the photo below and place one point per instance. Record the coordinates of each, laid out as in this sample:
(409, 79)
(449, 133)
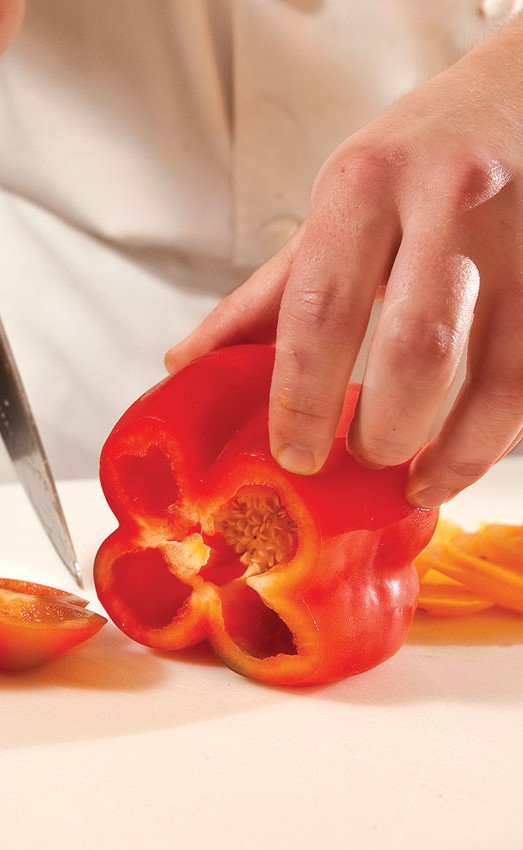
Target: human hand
(425, 205)
(11, 15)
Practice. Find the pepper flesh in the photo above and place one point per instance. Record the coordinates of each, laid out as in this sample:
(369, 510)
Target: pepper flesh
(38, 623)
(293, 579)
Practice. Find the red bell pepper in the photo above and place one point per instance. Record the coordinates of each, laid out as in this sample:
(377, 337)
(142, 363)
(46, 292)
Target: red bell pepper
(38, 623)
(293, 579)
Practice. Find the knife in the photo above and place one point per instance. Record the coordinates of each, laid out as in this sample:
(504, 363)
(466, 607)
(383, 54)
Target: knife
(24, 446)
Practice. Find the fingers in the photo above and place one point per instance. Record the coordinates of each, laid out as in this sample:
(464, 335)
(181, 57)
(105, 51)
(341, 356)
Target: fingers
(487, 419)
(343, 257)
(249, 314)
(315, 297)
(417, 347)
(346, 253)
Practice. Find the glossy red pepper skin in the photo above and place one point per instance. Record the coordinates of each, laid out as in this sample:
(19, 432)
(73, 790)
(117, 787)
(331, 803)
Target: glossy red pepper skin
(341, 604)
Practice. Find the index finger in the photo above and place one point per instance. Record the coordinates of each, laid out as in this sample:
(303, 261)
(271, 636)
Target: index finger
(344, 255)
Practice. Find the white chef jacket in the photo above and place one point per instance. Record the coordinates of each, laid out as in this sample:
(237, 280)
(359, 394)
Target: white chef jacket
(152, 152)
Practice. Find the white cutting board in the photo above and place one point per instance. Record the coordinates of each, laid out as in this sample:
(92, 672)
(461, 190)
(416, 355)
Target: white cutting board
(115, 746)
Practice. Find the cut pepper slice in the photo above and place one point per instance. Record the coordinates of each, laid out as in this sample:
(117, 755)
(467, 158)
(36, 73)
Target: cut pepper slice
(439, 594)
(38, 623)
(442, 596)
(490, 562)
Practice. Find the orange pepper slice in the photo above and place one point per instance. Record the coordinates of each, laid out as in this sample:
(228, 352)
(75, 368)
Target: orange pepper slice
(440, 595)
(463, 573)
(489, 562)
(445, 531)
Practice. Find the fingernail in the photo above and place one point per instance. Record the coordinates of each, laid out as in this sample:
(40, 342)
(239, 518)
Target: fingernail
(170, 361)
(296, 459)
(431, 497)
(174, 363)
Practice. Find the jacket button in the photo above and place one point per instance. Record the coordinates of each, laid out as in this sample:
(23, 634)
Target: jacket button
(277, 231)
(498, 10)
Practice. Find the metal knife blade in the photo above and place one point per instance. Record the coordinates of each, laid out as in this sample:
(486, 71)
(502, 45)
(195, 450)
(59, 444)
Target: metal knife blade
(25, 448)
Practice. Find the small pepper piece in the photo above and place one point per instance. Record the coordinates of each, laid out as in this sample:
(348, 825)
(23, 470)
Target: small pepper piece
(292, 579)
(38, 623)
(442, 596)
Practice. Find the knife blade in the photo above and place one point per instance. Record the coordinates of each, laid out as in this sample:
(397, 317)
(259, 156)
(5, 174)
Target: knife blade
(24, 446)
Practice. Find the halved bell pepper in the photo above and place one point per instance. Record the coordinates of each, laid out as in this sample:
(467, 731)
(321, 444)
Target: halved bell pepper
(292, 579)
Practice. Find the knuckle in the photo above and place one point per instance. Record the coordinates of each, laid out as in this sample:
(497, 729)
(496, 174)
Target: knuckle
(304, 402)
(361, 171)
(464, 470)
(303, 399)
(501, 393)
(427, 346)
(319, 309)
(305, 407)
(472, 179)
(381, 449)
